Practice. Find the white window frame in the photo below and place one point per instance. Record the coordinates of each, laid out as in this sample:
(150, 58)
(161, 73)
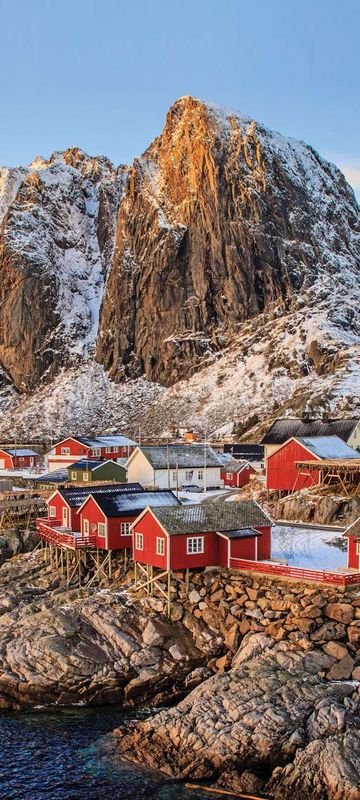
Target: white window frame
(65, 451)
(96, 451)
(114, 449)
(52, 512)
(189, 474)
(107, 449)
(102, 529)
(139, 541)
(86, 527)
(357, 548)
(73, 476)
(200, 474)
(194, 545)
(174, 475)
(125, 528)
(160, 546)
(229, 476)
(85, 476)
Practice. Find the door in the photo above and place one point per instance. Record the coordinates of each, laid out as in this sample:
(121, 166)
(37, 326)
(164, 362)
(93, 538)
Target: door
(2, 463)
(64, 517)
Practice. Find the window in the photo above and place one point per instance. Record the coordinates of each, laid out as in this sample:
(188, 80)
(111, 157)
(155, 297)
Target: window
(73, 476)
(174, 475)
(21, 458)
(139, 544)
(96, 451)
(86, 527)
(52, 511)
(114, 449)
(85, 476)
(65, 450)
(200, 474)
(160, 546)
(229, 476)
(195, 544)
(101, 528)
(125, 528)
(189, 475)
(358, 548)
(107, 449)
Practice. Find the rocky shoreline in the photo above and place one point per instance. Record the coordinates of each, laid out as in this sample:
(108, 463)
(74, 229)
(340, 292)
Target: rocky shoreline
(260, 678)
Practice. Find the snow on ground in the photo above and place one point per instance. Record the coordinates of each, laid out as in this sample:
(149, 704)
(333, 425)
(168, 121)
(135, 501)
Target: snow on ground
(308, 548)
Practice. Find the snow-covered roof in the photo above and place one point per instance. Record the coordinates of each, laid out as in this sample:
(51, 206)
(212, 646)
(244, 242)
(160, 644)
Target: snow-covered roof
(91, 464)
(283, 429)
(220, 517)
(328, 447)
(19, 451)
(188, 456)
(58, 476)
(235, 466)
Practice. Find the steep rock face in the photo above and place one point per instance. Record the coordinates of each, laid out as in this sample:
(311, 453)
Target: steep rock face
(57, 221)
(221, 219)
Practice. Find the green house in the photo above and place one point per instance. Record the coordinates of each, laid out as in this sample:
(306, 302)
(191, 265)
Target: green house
(91, 470)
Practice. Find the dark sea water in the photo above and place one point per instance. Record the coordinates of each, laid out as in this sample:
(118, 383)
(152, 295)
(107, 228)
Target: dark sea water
(69, 755)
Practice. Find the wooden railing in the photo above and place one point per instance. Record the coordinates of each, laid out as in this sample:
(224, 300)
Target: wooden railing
(49, 531)
(283, 571)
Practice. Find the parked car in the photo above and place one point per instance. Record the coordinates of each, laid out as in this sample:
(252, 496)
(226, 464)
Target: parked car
(190, 487)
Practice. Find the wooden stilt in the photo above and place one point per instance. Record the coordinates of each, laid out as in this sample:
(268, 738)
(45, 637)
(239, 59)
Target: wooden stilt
(169, 595)
(151, 578)
(125, 559)
(187, 579)
(67, 567)
(79, 569)
(110, 566)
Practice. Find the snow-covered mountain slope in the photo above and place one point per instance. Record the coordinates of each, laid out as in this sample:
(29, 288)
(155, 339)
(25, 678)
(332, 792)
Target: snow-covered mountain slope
(224, 266)
(56, 242)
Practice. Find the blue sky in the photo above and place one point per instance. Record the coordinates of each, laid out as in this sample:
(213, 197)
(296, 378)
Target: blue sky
(101, 75)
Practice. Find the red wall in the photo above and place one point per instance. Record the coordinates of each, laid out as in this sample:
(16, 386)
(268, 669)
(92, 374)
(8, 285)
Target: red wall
(76, 448)
(243, 548)
(223, 551)
(25, 461)
(180, 559)
(114, 541)
(238, 479)
(264, 544)
(150, 529)
(73, 520)
(280, 470)
(7, 459)
(353, 558)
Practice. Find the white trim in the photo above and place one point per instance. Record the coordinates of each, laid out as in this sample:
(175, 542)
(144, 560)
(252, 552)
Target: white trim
(192, 538)
(128, 524)
(138, 541)
(160, 541)
(51, 515)
(294, 439)
(103, 535)
(86, 527)
(57, 491)
(228, 546)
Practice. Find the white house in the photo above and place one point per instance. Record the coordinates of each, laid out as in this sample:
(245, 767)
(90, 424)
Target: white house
(172, 466)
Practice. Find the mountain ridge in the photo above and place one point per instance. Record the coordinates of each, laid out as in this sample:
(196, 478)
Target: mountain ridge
(167, 269)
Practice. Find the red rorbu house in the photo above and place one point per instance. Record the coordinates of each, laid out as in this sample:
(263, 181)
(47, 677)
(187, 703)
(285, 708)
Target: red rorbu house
(63, 504)
(19, 458)
(108, 516)
(193, 536)
(353, 536)
(237, 473)
(283, 466)
(74, 448)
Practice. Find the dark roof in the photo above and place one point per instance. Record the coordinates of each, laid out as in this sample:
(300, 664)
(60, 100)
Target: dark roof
(247, 452)
(181, 455)
(283, 429)
(102, 441)
(75, 495)
(243, 533)
(328, 447)
(116, 504)
(91, 464)
(58, 476)
(201, 518)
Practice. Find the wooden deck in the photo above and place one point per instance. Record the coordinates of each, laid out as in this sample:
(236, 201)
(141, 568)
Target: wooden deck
(51, 531)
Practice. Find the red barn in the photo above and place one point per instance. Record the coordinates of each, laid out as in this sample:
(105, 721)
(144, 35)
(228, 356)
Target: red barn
(200, 535)
(64, 503)
(74, 448)
(19, 458)
(353, 545)
(108, 516)
(237, 473)
(281, 471)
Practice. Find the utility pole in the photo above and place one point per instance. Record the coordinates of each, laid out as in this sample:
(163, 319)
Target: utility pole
(205, 459)
(177, 478)
(168, 464)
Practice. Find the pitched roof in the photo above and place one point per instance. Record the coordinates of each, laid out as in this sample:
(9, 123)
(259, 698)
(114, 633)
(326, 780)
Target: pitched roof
(235, 466)
(243, 533)
(19, 451)
(201, 518)
(102, 441)
(58, 476)
(91, 464)
(283, 429)
(121, 504)
(353, 529)
(75, 495)
(328, 447)
(181, 455)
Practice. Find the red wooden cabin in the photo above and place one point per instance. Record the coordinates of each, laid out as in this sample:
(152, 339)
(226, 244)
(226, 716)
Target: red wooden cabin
(67, 451)
(192, 536)
(353, 545)
(63, 504)
(237, 473)
(108, 517)
(18, 458)
(281, 471)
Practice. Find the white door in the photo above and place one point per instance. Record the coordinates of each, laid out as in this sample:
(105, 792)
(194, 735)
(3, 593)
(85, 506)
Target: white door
(64, 517)
(2, 463)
